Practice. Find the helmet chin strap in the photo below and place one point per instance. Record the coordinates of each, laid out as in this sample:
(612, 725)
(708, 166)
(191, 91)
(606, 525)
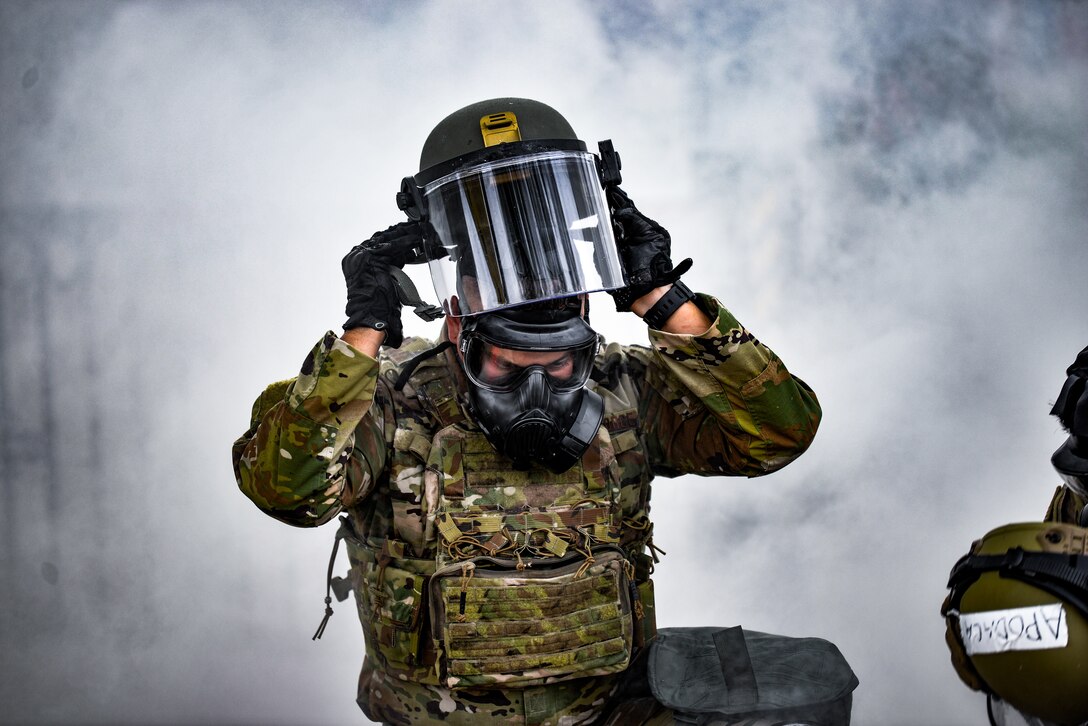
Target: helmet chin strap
(409, 295)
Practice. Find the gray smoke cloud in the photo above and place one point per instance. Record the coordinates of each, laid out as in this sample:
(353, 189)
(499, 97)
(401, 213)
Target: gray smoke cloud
(892, 195)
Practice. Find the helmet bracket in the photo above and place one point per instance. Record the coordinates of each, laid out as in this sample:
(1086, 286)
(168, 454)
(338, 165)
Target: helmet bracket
(410, 200)
(609, 165)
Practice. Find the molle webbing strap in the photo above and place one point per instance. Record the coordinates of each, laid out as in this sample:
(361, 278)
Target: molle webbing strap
(448, 528)
(596, 519)
(1061, 575)
(736, 666)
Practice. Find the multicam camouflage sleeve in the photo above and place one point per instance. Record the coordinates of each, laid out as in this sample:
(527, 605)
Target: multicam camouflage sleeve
(296, 460)
(754, 416)
(717, 403)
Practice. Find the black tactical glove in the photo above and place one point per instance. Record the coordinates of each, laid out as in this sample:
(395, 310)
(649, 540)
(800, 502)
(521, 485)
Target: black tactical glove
(373, 300)
(645, 248)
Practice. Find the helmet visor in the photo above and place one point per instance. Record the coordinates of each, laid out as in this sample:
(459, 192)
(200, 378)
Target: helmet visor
(519, 230)
(498, 368)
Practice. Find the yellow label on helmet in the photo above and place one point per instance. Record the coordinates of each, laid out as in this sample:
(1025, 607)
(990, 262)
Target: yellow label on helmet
(499, 128)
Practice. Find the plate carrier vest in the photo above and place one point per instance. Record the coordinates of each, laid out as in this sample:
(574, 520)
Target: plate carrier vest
(467, 573)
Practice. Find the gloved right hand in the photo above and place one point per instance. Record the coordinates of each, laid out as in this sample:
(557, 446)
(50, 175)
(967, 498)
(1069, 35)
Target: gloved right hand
(373, 300)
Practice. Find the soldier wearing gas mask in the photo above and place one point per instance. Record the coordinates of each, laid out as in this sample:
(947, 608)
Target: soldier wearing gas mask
(495, 486)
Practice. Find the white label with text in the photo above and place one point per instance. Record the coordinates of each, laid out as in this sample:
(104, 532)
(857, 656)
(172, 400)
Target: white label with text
(1039, 627)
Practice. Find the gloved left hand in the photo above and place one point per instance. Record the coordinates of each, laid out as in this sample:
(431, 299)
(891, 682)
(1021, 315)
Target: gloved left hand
(373, 300)
(645, 249)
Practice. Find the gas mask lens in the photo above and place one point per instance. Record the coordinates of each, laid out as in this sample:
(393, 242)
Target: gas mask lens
(502, 369)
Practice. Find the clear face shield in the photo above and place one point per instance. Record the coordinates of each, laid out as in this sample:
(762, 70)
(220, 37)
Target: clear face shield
(515, 230)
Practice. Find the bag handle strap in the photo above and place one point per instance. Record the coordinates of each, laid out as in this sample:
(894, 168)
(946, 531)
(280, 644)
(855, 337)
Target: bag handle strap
(736, 665)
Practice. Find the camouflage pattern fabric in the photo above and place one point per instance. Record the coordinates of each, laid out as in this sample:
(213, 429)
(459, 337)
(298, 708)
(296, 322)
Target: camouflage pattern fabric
(344, 437)
(389, 700)
(533, 626)
(1065, 506)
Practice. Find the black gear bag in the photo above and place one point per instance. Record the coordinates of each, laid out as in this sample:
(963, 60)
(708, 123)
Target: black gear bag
(731, 676)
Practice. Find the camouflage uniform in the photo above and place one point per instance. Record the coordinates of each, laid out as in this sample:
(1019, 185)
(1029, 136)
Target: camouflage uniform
(1065, 506)
(391, 442)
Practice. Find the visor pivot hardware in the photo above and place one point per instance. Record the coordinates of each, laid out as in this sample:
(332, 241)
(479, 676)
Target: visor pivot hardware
(609, 165)
(499, 128)
(409, 199)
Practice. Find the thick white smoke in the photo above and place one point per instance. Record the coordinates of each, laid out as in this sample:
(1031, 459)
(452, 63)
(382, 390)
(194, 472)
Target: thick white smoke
(890, 194)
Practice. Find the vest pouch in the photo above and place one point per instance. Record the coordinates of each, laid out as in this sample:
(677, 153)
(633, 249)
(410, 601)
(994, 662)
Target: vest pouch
(552, 621)
(389, 589)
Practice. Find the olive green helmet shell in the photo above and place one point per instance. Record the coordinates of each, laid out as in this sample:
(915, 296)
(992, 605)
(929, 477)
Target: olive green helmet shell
(1050, 684)
(459, 133)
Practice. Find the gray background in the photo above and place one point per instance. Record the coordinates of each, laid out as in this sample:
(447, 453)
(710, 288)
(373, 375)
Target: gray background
(892, 195)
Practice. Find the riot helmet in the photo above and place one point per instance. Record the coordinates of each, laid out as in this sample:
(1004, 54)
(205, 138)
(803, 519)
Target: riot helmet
(1017, 616)
(517, 232)
(514, 208)
(1071, 408)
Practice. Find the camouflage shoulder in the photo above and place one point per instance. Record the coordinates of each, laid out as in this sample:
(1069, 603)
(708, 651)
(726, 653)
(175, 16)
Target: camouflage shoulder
(1065, 506)
(616, 359)
(419, 384)
(270, 396)
(392, 359)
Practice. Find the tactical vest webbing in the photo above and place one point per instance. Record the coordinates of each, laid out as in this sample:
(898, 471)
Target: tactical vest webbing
(489, 576)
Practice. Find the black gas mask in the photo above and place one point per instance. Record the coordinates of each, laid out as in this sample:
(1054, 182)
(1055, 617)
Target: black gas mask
(528, 367)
